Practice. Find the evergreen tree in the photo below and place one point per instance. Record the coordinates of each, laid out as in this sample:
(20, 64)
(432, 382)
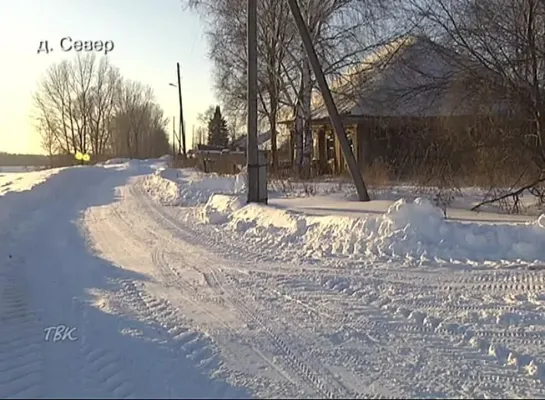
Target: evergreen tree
(218, 134)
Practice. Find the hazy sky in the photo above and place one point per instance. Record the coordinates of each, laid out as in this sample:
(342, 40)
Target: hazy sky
(150, 36)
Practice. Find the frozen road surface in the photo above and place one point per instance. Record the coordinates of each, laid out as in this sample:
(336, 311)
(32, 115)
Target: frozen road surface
(107, 293)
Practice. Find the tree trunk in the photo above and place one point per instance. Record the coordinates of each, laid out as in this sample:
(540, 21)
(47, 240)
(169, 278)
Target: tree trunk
(274, 147)
(298, 133)
(307, 117)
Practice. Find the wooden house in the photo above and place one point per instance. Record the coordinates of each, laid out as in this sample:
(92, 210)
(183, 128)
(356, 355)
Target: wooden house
(406, 86)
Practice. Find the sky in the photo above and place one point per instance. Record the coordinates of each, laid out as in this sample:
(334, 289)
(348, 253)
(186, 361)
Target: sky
(150, 36)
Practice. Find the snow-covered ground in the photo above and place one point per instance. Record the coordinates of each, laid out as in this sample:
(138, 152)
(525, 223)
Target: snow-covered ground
(176, 288)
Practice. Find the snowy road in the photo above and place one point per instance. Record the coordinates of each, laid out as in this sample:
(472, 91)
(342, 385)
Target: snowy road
(166, 307)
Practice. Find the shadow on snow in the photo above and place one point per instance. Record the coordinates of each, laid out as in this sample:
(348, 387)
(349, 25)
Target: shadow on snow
(63, 276)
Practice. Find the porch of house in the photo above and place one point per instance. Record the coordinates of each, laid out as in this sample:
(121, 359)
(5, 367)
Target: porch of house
(374, 137)
(327, 157)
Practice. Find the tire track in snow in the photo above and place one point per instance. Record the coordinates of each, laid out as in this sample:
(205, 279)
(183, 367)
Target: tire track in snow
(102, 359)
(185, 344)
(359, 332)
(418, 323)
(431, 307)
(170, 275)
(421, 324)
(458, 308)
(182, 230)
(185, 286)
(491, 281)
(173, 278)
(320, 380)
(521, 282)
(296, 365)
(21, 338)
(103, 367)
(529, 366)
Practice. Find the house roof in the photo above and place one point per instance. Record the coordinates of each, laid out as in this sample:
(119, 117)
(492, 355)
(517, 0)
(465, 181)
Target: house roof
(411, 77)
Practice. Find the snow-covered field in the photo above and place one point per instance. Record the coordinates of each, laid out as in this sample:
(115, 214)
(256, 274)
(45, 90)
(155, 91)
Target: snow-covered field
(176, 288)
(5, 169)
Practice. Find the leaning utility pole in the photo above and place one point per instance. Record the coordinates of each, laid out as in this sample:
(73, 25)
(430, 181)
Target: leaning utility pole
(334, 116)
(182, 129)
(252, 151)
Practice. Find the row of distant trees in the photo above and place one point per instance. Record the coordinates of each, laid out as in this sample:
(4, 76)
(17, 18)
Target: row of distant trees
(85, 105)
(23, 160)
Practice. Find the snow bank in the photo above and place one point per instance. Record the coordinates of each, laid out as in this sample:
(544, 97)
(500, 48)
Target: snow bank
(22, 181)
(410, 231)
(418, 231)
(219, 206)
(114, 161)
(189, 187)
(12, 169)
(26, 192)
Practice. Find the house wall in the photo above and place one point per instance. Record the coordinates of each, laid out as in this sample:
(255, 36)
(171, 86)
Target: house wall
(406, 145)
(390, 140)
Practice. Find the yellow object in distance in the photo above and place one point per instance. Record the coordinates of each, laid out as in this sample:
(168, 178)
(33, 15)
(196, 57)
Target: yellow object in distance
(82, 157)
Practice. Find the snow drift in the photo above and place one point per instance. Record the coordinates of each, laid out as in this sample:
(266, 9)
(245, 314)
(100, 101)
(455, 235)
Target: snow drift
(189, 187)
(29, 191)
(415, 232)
(114, 161)
(22, 181)
(219, 207)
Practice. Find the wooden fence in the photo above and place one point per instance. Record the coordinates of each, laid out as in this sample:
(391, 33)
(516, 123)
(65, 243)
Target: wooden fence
(220, 163)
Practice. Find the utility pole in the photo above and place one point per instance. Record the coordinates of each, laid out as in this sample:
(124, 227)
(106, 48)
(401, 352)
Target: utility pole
(252, 151)
(193, 138)
(181, 129)
(334, 116)
(173, 136)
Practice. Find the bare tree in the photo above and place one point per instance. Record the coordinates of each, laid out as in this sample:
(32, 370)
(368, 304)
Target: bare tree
(84, 105)
(49, 140)
(74, 102)
(341, 30)
(133, 113)
(502, 45)
(227, 36)
(53, 103)
(103, 101)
